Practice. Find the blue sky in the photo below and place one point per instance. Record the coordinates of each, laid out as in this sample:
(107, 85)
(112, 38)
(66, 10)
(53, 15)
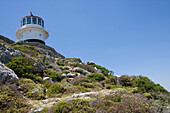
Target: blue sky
(130, 37)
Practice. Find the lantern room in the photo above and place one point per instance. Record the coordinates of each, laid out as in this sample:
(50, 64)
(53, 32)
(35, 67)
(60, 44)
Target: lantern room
(32, 30)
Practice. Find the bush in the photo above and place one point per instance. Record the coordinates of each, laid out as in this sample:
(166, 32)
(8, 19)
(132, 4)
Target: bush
(52, 74)
(55, 90)
(62, 107)
(98, 77)
(125, 80)
(111, 80)
(12, 101)
(24, 67)
(108, 86)
(145, 85)
(31, 90)
(27, 49)
(85, 66)
(87, 85)
(77, 80)
(103, 69)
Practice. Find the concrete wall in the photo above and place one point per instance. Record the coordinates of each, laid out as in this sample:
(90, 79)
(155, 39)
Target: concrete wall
(30, 34)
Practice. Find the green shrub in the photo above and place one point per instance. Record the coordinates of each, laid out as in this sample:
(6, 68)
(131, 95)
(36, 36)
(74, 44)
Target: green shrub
(12, 101)
(125, 80)
(45, 110)
(27, 49)
(87, 85)
(145, 85)
(52, 74)
(98, 77)
(110, 80)
(47, 84)
(31, 90)
(55, 90)
(24, 81)
(36, 93)
(24, 67)
(108, 86)
(148, 95)
(62, 107)
(103, 69)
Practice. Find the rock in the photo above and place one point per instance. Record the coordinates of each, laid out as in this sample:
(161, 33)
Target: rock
(81, 71)
(40, 66)
(81, 95)
(7, 54)
(45, 101)
(90, 63)
(7, 75)
(68, 75)
(47, 79)
(57, 69)
(67, 68)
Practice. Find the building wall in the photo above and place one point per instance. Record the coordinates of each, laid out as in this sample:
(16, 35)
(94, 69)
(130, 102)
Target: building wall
(31, 25)
(33, 35)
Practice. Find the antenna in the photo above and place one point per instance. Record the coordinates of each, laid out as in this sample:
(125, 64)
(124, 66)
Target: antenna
(31, 13)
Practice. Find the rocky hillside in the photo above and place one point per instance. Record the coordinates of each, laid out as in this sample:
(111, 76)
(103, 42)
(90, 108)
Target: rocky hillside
(35, 78)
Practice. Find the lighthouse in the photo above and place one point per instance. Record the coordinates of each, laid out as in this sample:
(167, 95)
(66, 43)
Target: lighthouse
(32, 29)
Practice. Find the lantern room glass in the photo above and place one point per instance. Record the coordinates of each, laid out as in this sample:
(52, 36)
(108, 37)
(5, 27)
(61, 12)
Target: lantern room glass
(29, 20)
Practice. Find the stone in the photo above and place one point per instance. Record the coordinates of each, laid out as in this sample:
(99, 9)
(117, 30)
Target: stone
(81, 95)
(90, 63)
(81, 71)
(68, 75)
(47, 79)
(67, 68)
(7, 75)
(7, 54)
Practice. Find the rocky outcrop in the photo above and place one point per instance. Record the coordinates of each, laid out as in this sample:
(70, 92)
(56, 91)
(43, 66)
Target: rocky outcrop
(68, 75)
(6, 54)
(5, 40)
(7, 75)
(81, 71)
(45, 49)
(47, 79)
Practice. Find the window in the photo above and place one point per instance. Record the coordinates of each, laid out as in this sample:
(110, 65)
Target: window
(40, 34)
(29, 20)
(21, 23)
(24, 21)
(42, 23)
(34, 20)
(39, 22)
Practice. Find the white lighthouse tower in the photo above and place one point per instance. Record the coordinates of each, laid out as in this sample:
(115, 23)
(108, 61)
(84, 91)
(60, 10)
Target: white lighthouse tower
(32, 30)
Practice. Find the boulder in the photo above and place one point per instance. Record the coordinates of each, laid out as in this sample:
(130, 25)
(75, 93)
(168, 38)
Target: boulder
(68, 75)
(7, 54)
(90, 63)
(81, 71)
(7, 75)
(47, 79)
(81, 95)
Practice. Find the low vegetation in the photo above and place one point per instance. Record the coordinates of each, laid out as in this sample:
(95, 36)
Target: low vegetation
(107, 93)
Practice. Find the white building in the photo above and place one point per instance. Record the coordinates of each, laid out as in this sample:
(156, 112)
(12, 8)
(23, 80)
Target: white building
(32, 29)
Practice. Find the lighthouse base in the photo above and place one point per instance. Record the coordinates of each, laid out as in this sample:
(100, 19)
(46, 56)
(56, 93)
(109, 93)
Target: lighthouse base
(34, 40)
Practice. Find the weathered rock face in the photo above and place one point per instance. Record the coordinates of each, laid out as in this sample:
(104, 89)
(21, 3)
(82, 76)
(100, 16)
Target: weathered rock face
(81, 71)
(7, 54)
(68, 75)
(45, 49)
(47, 79)
(7, 75)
